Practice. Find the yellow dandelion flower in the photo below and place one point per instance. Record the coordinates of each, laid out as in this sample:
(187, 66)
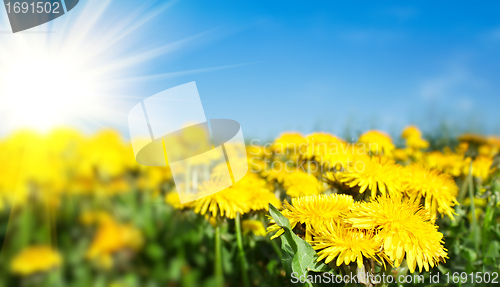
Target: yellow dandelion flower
(438, 190)
(250, 193)
(35, 259)
(260, 198)
(320, 145)
(479, 202)
(473, 139)
(449, 162)
(405, 229)
(95, 217)
(417, 143)
(291, 142)
(378, 142)
(411, 132)
(314, 211)
(111, 237)
(226, 203)
(257, 151)
(481, 166)
(258, 195)
(488, 150)
(461, 148)
(172, 198)
(301, 183)
(254, 226)
(494, 141)
(277, 171)
(401, 154)
(346, 244)
(376, 174)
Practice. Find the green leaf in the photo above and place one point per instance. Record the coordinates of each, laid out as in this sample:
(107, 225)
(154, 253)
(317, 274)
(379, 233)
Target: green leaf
(297, 255)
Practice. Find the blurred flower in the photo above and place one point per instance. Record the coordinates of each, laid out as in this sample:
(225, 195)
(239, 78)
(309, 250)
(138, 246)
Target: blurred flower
(401, 154)
(481, 166)
(321, 145)
(172, 198)
(112, 237)
(291, 143)
(35, 259)
(378, 142)
(438, 190)
(404, 229)
(411, 132)
(473, 139)
(478, 212)
(478, 202)
(95, 217)
(254, 226)
(449, 162)
(300, 183)
(413, 137)
(276, 174)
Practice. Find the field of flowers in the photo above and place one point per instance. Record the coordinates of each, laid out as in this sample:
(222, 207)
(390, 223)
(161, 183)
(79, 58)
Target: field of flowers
(77, 210)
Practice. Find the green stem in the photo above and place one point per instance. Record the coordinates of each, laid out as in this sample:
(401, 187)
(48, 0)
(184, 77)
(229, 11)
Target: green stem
(463, 189)
(474, 228)
(244, 263)
(219, 277)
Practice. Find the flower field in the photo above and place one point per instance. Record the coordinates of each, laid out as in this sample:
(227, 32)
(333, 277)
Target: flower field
(78, 210)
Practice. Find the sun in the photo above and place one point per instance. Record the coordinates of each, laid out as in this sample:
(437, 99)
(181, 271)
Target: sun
(41, 91)
(81, 70)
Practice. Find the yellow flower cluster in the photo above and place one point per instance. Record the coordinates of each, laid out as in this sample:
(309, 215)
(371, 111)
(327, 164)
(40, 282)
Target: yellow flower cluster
(385, 229)
(249, 194)
(373, 166)
(46, 166)
(371, 199)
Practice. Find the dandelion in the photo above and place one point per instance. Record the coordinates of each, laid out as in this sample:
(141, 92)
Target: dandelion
(226, 203)
(413, 137)
(378, 175)
(449, 162)
(172, 198)
(254, 226)
(314, 211)
(321, 145)
(438, 190)
(258, 196)
(250, 193)
(300, 183)
(378, 142)
(481, 166)
(273, 174)
(473, 139)
(346, 244)
(112, 237)
(405, 230)
(35, 259)
(289, 143)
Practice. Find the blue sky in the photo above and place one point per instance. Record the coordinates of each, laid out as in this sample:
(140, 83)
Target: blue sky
(325, 65)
